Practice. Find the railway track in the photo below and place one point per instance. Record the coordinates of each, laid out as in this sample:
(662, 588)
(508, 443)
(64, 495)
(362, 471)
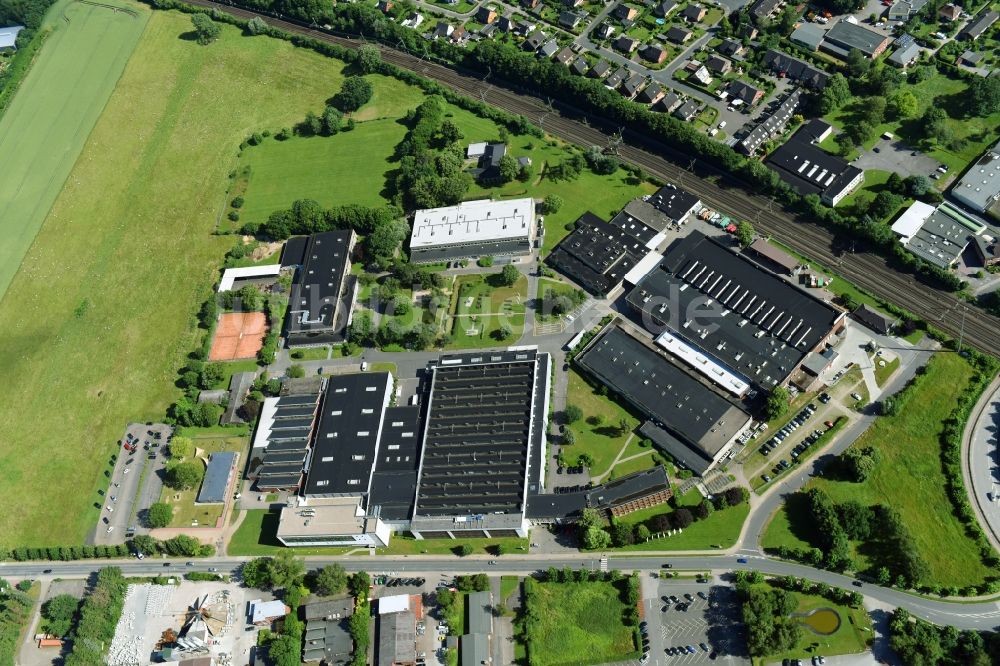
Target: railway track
(867, 270)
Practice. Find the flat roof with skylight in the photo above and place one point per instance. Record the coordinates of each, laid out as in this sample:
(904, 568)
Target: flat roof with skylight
(473, 228)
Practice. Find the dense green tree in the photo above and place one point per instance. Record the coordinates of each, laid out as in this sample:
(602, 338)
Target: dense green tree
(369, 58)
(296, 371)
(159, 515)
(184, 475)
(777, 403)
(256, 26)
(206, 30)
(509, 275)
(572, 413)
(330, 580)
(354, 93)
(332, 119)
(596, 538)
(551, 204)
(885, 204)
(59, 612)
(983, 96)
(143, 543)
(682, 518)
(903, 104)
(508, 168)
(359, 584)
(181, 447)
(744, 233)
(284, 650)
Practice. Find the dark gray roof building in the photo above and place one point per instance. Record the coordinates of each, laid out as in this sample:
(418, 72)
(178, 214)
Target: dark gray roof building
(783, 64)
(327, 636)
(845, 36)
(873, 319)
(812, 170)
(394, 483)
(397, 639)
(220, 471)
(348, 434)
(755, 325)
(771, 125)
(698, 417)
(484, 436)
(980, 24)
(675, 203)
(322, 292)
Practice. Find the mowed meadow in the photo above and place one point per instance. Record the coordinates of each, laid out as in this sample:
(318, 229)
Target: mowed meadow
(47, 123)
(101, 313)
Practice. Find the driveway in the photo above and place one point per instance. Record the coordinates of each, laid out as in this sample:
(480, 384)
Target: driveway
(895, 155)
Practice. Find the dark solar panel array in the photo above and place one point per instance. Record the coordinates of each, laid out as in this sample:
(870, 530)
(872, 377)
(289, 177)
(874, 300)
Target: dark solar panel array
(475, 450)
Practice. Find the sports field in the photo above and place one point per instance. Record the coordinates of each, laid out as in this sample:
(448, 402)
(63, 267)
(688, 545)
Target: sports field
(53, 112)
(99, 318)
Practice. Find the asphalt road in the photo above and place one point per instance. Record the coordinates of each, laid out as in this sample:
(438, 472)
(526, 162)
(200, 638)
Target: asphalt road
(973, 615)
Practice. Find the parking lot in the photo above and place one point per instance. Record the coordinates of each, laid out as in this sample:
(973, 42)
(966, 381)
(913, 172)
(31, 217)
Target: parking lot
(125, 499)
(894, 155)
(698, 623)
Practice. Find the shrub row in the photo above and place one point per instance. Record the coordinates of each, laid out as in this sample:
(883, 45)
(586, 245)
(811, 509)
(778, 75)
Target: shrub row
(98, 617)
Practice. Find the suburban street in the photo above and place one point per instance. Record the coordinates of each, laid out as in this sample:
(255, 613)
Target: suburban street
(963, 615)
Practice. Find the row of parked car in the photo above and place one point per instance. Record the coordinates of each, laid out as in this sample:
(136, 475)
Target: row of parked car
(789, 428)
(399, 582)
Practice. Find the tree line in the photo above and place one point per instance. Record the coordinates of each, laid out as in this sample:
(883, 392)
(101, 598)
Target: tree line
(431, 159)
(920, 643)
(99, 615)
(15, 611)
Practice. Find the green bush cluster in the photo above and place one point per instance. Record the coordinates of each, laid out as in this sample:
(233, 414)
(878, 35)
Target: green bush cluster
(15, 611)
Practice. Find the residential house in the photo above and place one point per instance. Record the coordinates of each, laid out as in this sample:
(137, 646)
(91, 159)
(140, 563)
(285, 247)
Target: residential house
(745, 92)
(687, 110)
(950, 12)
(565, 55)
(525, 28)
(903, 10)
(763, 10)
(8, 37)
(664, 8)
(604, 31)
(459, 34)
(654, 53)
(980, 24)
(625, 13)
(718, 65)
(845, 36)
(702, 76)
(784, 65)
(905, 56)
(693, 13)
(414, 21)
(573, 4)
(669, 102)
(678, 35)
(485, 15)
(488, 30)
(808, 35)
(505, 24)
(534, 41)
(878, 321)
(579, 66)
(626, 44)
(970, 58)
(617, 77)
(487, 169)
(651, 94)
(771, 125)
(632, 85)
(442, 30)
(529, 4)
(549, 48)
(748, 31)
(385, 6)
(730, 47)
(600, 69)
(570, 20)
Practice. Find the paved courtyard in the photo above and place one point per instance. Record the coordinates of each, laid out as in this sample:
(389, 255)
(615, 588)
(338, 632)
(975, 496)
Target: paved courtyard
(895, 155)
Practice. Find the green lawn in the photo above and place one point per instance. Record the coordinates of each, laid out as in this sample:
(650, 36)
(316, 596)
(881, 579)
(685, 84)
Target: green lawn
(186, 512)
(349, 167)
(47, 124)
(480, 308)
(850, 638)
(719, 530)
(581, 623)
(508, 585)
(884, 373)
(312, 354)
(125, 258)
(401, 544)
(909, 479)
(627, 467)
(256, 537)
(602, 195)
(601, 441)
(230, 368)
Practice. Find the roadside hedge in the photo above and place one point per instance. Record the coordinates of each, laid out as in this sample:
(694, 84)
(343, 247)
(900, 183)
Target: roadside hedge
(98, 617)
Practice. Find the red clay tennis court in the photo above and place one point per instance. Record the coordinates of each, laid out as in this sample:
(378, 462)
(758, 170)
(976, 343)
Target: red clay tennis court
(238, 335)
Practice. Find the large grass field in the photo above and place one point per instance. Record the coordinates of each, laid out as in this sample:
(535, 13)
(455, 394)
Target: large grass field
(909, 479)
(102, 313)
(345, 168)
(601, 440)
(47, 123)
(581, 623)
(719, 530)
